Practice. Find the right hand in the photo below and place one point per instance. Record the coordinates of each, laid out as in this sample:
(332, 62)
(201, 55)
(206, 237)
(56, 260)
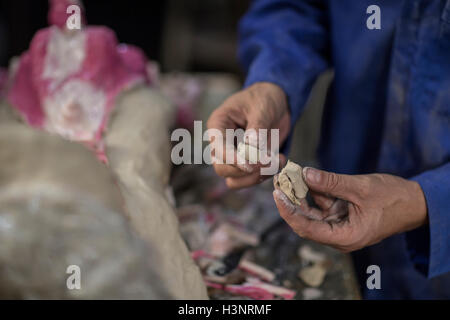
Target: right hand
(354, 211)
(260, 106)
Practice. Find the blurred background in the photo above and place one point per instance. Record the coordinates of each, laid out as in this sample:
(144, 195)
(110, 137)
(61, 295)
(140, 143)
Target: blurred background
(198, 40)
(196, 36)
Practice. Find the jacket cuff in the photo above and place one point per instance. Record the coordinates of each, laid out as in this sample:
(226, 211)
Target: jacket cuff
(429, 245)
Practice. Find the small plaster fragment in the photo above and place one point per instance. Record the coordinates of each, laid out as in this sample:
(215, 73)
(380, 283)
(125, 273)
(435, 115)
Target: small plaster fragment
(290, 182)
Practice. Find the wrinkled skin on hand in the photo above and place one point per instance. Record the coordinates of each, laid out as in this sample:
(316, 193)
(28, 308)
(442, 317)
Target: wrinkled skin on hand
(260, 106)
(354, 211)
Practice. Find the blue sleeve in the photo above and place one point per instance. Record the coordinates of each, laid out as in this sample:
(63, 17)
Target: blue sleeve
(285, 42)
(429, 246)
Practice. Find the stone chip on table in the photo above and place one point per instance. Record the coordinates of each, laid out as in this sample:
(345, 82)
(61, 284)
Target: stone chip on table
(313, 275)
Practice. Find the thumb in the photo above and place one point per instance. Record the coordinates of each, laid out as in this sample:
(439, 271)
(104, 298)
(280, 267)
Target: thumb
(258, 133)
(337, 185)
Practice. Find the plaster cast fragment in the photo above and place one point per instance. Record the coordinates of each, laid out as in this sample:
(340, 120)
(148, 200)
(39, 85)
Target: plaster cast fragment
(290, 182)
(313, 275)
(227, 237)
(274, 289)
(256, 270)
(248, 152)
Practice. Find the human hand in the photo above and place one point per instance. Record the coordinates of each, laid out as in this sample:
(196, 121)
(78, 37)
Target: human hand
(260, 106)
(354, 211)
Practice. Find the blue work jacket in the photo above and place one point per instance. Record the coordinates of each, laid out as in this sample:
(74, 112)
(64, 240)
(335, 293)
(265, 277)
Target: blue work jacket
(388, 110)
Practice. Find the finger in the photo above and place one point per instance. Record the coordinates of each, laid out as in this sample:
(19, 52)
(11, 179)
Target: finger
(276, 163)
(263, 141)
(244, 182)
(311, 229)
(245, 165)
(256, 122)
(223, 152)
(279, 161)
(333, 209)
(259, 138)
(258, 133)
(227, 116)
(267, 168)
(275, 181)
(250, 179)
(338, 211)
(324, 201)
(256, 177)
(225, 171)
(283, 160)
(263, 155)
(303, 208)
(225, 156)
(337, 185)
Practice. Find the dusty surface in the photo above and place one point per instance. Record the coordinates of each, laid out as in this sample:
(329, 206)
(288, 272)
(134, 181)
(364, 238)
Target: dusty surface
(201, 192)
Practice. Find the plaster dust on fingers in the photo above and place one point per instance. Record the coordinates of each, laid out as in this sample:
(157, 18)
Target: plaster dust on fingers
(248, 152)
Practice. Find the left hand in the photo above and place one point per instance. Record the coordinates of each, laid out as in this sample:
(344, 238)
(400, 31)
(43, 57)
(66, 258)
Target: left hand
(263, 105)
(354, 211)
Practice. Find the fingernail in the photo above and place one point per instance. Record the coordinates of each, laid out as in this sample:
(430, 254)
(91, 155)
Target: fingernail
(280, 196)
(312, 175)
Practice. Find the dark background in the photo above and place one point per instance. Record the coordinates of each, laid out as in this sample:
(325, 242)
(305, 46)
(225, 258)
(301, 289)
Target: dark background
(181, 35)
(186, 35)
